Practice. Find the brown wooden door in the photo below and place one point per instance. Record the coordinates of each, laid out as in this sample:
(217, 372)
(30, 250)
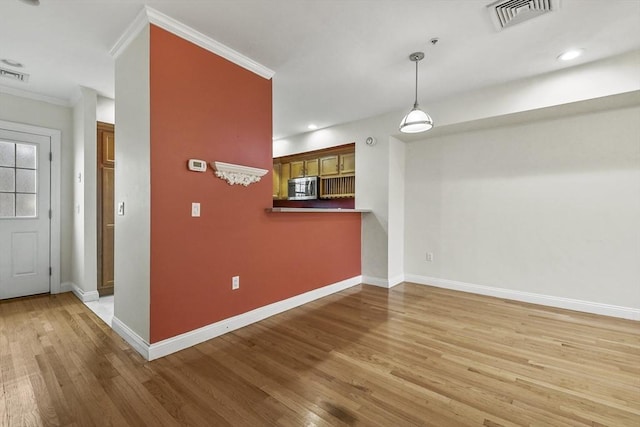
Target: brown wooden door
(106, 220)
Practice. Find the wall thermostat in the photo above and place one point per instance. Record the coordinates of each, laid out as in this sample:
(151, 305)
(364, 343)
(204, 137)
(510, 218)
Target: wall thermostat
(197, 165)
(370, 141)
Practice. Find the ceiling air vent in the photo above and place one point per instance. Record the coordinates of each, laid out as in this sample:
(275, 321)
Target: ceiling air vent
(507, 13)
(14, 75)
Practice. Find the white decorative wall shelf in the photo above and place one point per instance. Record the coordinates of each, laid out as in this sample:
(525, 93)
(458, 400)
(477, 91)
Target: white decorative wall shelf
(238, 174)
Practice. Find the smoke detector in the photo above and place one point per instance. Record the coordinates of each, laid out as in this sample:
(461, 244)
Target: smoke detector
(507, 13)
(14, 75)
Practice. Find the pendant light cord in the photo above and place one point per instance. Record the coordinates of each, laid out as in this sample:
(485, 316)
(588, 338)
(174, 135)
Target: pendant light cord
(415, 103)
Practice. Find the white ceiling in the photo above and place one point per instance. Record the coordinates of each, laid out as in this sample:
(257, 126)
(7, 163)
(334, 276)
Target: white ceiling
(335, 60)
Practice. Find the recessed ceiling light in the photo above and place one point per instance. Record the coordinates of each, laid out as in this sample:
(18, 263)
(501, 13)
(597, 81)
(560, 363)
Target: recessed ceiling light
(11, 63)
(31, 2)
(312, 127)
(570, 54)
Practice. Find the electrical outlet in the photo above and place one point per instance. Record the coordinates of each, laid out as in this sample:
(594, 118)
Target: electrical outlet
(430, 256)
(195, 209)
(235, 282)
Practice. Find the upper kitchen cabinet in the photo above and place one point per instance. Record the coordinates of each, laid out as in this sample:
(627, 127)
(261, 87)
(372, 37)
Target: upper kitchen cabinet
(300, 168)
(281, 175)
(335, 166)
(276, 180)
(347, 163)
(338, 164)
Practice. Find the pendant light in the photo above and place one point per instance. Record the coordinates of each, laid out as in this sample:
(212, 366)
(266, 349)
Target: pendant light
(417, 120)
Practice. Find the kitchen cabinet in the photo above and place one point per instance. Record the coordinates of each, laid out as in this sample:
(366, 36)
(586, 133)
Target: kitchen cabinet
(329, 165)
(297, 169)
(285, 174)
(311, 167)
(347, 163)
(300, 168)
(338, 164)
(276, 180)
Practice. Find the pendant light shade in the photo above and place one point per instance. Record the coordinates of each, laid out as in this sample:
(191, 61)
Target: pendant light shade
(416, 120)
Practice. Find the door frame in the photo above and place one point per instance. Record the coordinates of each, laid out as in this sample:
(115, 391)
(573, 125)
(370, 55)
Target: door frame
(54, 196)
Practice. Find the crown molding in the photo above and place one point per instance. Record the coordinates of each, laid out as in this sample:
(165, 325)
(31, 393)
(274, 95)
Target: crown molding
(35, 96)
(130, 33)
(149, 15)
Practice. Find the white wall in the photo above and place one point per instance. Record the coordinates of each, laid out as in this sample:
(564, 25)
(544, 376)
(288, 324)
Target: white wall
(39, 113)
(133, 174)
(549, 207)
(397, 153)
(84, 247)
(106, 110)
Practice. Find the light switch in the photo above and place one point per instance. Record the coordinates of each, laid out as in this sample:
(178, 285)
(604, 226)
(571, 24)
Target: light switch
(195, 209)
(121, 208)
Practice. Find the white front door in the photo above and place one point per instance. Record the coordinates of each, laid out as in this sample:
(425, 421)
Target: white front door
(25, 187)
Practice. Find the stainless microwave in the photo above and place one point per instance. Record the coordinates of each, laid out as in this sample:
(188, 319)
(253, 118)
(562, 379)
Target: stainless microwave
(306, 188)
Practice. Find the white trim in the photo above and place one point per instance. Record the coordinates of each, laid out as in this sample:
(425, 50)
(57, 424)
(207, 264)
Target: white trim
(191, 338)
(34, 96)
(375, 281)
(383, 283)
(66, 287)
(84, 296)
(137, 25)
(394, 281)
(548, 300)
(55, 137)
(134, 340)
(152, 16)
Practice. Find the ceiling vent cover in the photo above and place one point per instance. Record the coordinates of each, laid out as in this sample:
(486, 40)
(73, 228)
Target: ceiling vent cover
(14, 75)
(507, 13)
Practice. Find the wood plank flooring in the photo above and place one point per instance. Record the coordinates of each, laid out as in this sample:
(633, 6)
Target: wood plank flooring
(410, 356)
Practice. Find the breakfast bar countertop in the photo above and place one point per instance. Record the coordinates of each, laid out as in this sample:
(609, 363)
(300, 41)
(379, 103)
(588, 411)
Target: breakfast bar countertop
(317, 210)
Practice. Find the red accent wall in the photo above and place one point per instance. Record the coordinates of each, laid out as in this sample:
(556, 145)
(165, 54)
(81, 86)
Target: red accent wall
(205, 107)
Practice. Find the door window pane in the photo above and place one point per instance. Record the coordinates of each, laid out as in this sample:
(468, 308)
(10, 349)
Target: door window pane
(25, 181)
(26, 156)
(7, 205)
(7, 179)
(25, 205)
(7, 154)
(18, 180)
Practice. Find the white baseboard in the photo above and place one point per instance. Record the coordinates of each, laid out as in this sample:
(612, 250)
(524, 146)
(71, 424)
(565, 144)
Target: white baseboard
(66, 287)
(548, 300)
(396, 280)
(140, 345)
(383, 283)
(191, 338)
(375, 281)
(84, 296)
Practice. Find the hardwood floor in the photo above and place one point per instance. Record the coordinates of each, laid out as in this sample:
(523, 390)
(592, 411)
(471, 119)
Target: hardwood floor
(413, 355)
